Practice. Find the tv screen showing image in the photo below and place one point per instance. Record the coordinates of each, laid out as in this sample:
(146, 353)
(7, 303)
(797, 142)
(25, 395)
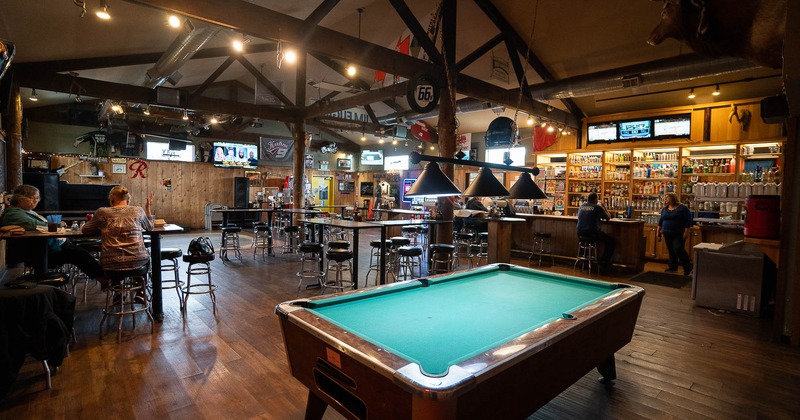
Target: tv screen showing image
(160, 150)
(603, 132)
(235, 155)
(673, 126)
(395, 163)
(517, 155)
(638, 129)
(372, 157)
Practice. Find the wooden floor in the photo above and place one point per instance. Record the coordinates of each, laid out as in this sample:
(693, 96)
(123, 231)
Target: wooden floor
(684, 361)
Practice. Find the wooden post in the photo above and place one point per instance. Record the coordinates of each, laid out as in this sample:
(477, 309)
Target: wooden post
(299, 133)
(447, 114)
(14, 144)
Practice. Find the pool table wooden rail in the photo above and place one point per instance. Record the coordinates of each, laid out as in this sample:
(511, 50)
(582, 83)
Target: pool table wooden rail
(508, 381)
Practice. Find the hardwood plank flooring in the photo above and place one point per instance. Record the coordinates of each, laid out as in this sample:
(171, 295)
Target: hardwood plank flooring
(683, 362)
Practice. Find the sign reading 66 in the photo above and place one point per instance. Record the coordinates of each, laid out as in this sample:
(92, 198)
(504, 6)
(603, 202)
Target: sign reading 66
(423, 93)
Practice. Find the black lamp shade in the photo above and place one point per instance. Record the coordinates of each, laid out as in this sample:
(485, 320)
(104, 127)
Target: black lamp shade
(526, 189)
(486, 185)
(432, 182)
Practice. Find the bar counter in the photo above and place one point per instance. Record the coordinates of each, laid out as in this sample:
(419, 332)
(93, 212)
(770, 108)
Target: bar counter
(564, 242)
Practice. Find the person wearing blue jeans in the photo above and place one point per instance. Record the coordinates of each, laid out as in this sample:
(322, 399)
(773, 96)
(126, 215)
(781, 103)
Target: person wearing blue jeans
(673, 226)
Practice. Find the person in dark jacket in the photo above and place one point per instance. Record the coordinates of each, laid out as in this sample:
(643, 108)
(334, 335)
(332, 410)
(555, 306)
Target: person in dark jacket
(589, 216)
(673, 226)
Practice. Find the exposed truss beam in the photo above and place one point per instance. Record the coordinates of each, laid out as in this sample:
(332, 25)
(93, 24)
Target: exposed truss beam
(321, 11)
(420, 34)
(375, 95)
(479, 52)
(519, 71)
(203, 86)
(264, 81)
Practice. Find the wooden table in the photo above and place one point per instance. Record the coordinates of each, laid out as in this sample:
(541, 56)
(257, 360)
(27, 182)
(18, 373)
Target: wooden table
(157, 303)
(387, 224)
(39, 240)
(227, 212)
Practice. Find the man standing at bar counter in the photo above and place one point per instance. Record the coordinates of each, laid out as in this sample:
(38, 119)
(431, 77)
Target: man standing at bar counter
(589, 216)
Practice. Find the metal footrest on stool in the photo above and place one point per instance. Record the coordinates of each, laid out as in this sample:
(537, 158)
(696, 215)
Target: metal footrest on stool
(127, 295)
(310, 257)
(199, 265)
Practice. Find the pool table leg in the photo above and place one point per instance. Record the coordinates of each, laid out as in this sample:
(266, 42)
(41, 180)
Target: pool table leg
(315, 407)
(608, 370)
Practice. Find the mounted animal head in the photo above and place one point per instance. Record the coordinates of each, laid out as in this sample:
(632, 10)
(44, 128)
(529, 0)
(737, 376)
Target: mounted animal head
(753, 29)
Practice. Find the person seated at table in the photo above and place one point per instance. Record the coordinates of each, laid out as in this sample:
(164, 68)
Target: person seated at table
(120, 228)
(589, 216)
(60, 250)
(507, 208)
(477, 221)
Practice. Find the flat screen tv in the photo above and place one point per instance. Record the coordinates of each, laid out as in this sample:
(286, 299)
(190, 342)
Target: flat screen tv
(636, 129)
(160, 150)
(372, 157)
(517, 155)
(235, 155)
(395, 163)
(672, 126)
(602, 132)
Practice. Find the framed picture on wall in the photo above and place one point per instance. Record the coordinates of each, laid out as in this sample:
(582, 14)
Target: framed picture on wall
(367, 189)
(343, 163)
(346, 187)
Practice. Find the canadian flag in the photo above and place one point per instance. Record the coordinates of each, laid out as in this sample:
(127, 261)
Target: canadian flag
(542, 139)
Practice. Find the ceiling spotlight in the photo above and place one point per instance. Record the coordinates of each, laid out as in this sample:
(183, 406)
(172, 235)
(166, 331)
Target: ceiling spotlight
(116, 108)
(530, 120)
(214, 119)
(394, 142)
(103, 13)
(380, 141)
(34, 97)
(363, 137)
(544, 124)
(433, 148)
(351, 70)
(691, 94)
(550, 129)
(419, 146)
(290, 56)
(146, 110)
(716, 91)
(185, 115)
(238, 45)
(174, 21)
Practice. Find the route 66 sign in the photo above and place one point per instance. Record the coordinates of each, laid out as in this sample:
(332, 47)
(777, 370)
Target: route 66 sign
(423, 93)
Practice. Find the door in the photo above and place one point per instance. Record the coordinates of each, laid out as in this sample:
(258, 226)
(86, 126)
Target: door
(322, 188)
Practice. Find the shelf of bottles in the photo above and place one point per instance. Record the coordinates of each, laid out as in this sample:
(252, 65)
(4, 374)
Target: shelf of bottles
(655, 173)
(706, 166)
(584, 176)
(617, 179)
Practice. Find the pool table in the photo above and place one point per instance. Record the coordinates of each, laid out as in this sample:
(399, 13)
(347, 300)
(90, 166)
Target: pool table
(499, 341)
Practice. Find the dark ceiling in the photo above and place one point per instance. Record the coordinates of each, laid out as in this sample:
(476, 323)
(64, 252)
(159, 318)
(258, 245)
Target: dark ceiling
(577, 43)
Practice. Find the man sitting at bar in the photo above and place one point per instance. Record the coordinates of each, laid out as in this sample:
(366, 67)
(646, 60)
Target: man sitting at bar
(60, 250)
(589, 216)
(477, 221)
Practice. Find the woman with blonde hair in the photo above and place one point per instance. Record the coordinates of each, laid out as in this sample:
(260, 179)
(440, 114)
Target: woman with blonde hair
(120, 227)
(674, 225)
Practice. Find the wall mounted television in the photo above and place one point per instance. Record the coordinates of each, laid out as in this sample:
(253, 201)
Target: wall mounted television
(372, 157)
(160, 150)
(395, 163)
(602, 132)
(672, 126)
(635, 129)
(235, 155)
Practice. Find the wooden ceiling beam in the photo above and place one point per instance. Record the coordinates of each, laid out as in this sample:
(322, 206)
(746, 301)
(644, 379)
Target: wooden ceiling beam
(65, 83)
(479, 52)
(321, 11)
(268, 24)
(264, 81)
(522, 80)
(372, 96)
(420, 34)
(203, 86)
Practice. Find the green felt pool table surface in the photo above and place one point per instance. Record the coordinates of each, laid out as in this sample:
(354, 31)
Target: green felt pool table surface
(449, 319)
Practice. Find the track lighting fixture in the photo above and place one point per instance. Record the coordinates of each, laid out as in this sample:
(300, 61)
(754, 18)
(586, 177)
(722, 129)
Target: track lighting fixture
(185, 115)
(116, 108)
(104, 13)
(530, 120)
(691, 94)
(214, 119)
(351, 70)
(34, 97)
(363, 137)
(716, 91)
(146, 110)
(174, 21)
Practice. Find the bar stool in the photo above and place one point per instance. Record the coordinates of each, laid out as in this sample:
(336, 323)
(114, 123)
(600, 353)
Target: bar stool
(463, 247)
(483, 247)
(230, 242)
(93, 246)
(441, 258)
(310, 256)
(392, 262)
(541, 246)
(587, 253)
(338, 244)
(411, 232)
(410, 257)
(262, 240)
(423, 233)
(169, 262)
(375, 257)
(291, 240)
(337, 258)
(128, 288)
(199, 265)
